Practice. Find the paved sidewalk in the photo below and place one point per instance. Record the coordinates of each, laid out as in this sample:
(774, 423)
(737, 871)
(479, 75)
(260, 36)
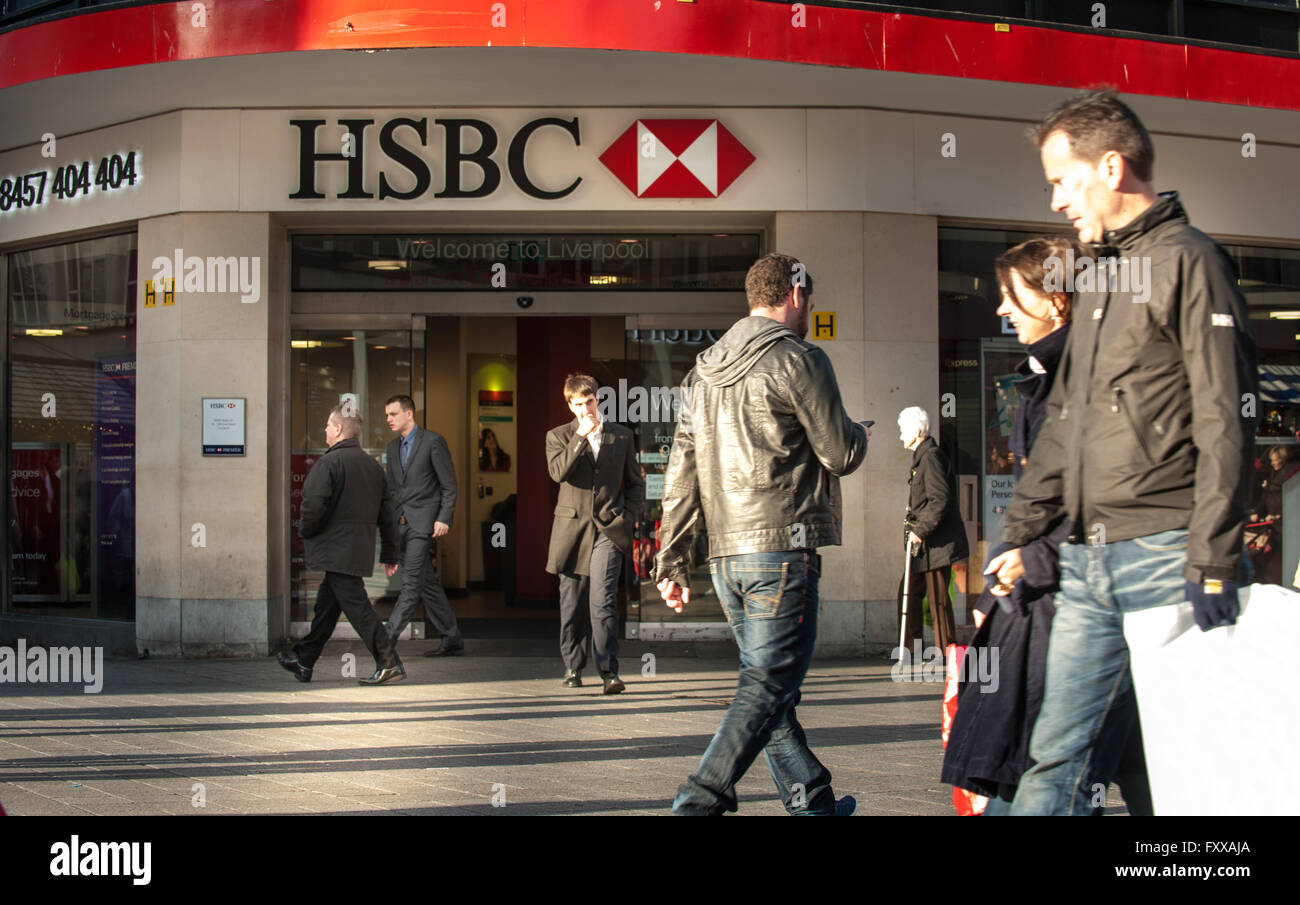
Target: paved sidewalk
(455, 734)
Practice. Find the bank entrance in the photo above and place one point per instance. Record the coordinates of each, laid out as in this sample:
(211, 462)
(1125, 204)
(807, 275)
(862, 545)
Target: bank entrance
(485, 370)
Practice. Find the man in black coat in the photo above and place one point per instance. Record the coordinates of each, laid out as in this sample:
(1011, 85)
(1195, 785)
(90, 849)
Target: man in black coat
(344, 502)
(936, 535)
(422, 484)
(601, 494)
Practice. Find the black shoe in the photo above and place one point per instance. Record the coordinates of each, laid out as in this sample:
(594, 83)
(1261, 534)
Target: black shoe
(613, 684)
(572, 679)
(387, 674)
(301, 673)
(456, 651)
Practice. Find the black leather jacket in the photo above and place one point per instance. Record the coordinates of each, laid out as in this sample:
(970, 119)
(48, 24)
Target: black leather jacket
(1150, 425)
(759, 449)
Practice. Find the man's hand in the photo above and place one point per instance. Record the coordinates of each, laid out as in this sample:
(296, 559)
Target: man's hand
(586, 424)
(440, 528)
(390, 568)
(1008, 568)
(915, 543)
(866, 428)
(674, 594)
(1214, 603)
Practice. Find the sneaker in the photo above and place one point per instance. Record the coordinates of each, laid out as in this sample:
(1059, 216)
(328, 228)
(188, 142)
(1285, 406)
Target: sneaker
(572, 679)
(846, 806)
(613, 684)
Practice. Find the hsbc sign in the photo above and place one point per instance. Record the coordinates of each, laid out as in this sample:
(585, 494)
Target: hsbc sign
(652, 158)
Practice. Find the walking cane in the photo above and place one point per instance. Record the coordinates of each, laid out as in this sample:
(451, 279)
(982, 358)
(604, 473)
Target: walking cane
(907, 586)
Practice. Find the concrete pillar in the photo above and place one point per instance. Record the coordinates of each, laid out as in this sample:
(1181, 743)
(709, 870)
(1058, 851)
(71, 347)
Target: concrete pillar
(879, 274)
(215, 599)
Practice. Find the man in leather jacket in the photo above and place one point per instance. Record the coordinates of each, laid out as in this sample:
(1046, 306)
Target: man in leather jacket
(760, 447)
(1146, 449)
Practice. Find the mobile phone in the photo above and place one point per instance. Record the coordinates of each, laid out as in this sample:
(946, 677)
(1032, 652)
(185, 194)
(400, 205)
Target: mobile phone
(867, 423)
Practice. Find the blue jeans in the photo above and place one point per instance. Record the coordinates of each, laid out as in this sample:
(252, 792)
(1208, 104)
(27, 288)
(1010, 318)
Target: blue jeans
(1089, 707)
(770, 600)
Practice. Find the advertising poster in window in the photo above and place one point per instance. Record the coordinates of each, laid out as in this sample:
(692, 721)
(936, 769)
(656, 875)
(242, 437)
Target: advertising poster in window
(36, 521)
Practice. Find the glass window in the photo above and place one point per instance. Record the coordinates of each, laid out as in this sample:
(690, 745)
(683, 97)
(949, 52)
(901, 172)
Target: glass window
(533, 262)
(979, 353)
(71, 411)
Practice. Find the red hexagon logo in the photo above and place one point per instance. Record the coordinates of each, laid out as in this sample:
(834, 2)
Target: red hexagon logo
(677, 158)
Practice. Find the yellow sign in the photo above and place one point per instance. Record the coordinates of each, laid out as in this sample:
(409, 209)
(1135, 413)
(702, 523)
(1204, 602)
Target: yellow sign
(151, 294)
(150, 298)
(823, 324)
(169, 294)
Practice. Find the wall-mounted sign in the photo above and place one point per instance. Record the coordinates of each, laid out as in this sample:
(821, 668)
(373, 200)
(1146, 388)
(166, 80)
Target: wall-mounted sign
(68, 182)
(223, 427)
(823, 324)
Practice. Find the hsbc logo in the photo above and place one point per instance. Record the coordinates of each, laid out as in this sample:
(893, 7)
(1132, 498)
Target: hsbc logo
(653, 158)
(677, 158)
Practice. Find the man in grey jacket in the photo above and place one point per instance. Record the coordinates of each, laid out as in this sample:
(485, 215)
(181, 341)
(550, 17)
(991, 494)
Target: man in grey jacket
(1146, 450)
(422, 482)
(344, 504)
(760, 447)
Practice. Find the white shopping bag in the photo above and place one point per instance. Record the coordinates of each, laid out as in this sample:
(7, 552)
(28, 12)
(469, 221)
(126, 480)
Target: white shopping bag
(1219, 718)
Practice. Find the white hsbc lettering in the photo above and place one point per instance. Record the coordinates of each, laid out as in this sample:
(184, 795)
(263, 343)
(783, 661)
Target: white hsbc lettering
(464, 141)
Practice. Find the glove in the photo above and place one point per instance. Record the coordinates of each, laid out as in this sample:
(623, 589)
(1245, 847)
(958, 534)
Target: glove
(1214, 603)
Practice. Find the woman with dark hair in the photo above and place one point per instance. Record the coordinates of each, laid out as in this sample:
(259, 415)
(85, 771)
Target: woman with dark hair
(988, 748)
(490, 455)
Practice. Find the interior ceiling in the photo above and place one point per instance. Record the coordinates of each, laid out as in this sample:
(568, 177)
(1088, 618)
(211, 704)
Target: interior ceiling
(440, 78)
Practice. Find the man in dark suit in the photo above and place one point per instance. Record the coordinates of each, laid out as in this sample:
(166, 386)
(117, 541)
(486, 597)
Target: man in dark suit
(344, 501)
(422, 483)
(601, 493)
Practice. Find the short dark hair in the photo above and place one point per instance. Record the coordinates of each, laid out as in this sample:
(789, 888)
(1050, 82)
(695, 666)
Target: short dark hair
(1098, 122)
(580, 384)
(770, 279)
(1029, 260)
(406, 402)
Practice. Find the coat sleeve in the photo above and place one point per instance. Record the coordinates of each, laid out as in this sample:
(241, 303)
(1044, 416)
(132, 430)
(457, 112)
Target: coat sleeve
(318, 497)
(681, 502)
(560, 458)
(839, 443)
(440, 459)
(1219, 357)
(938, 494)
(1038, 504)
(1041, 558)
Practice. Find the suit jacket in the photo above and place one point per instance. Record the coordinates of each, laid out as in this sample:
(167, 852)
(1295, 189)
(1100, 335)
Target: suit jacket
(425, 491)
(344, 504)
(604, 494)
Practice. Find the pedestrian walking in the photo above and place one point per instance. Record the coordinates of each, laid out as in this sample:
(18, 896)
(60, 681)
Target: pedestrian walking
(601, 495)
(1146, 447)
(344, 503)
(757, 456)
(422, 484)
(988, 749)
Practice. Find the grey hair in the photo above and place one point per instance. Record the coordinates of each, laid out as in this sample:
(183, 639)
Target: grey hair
(349, 423)
(914, 417)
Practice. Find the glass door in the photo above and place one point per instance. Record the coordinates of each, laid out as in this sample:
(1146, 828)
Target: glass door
(657, 361)
(328, 366)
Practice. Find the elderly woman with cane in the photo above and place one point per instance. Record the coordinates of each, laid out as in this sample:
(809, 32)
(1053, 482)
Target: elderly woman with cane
(934, 533)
